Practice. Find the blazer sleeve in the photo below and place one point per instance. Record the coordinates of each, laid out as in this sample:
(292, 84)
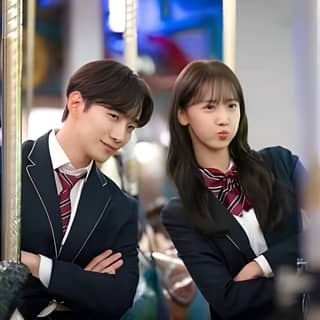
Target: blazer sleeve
(287, 167)
(108, 295)
(290, 171)
(206, 265)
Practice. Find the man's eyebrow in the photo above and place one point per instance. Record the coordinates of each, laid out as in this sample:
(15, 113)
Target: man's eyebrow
(135, 121)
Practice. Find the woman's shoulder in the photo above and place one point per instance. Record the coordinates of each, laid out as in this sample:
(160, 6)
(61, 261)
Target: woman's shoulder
(174, 203)
(173, 211)
(279, 153)
(281, 159)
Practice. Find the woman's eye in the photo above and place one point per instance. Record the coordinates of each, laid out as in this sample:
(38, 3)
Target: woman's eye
(233, 105)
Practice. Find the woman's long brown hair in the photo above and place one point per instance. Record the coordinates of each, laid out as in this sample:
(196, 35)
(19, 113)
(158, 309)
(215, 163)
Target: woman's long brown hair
(256, 179)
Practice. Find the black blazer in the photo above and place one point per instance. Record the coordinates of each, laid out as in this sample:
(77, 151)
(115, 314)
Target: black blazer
(106, 219)
(214, 262)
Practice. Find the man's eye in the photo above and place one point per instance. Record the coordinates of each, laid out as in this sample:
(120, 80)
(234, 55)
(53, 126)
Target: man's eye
(132, 126)
(113, 116)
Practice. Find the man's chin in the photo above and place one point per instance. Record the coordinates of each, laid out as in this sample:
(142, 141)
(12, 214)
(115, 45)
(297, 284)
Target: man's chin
(104, 158)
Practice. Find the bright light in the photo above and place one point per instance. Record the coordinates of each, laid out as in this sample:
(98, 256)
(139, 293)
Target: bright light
(165, 138)
(147, 152)
(117, 15)
(146, 65)
(41, 120)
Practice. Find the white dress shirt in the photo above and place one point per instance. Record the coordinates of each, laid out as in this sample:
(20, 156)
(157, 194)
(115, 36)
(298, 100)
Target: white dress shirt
(250, 225)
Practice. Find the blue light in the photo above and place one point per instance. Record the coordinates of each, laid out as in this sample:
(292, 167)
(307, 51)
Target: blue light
(45, 3)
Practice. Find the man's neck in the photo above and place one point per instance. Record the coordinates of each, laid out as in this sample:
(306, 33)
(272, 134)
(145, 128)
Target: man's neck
(70, 148)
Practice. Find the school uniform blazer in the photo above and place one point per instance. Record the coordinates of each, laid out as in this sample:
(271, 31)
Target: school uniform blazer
(106, 219)
(214, 262)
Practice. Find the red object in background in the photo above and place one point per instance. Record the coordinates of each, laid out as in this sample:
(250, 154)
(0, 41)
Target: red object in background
(174, 58)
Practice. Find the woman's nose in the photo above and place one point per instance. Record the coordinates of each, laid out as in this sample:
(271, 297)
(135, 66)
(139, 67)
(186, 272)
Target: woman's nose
(222, 117)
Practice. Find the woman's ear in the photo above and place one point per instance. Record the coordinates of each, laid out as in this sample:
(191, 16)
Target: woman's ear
(183, 117)
(75, 102)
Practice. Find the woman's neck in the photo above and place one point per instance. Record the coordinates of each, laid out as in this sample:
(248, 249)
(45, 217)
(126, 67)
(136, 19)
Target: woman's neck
(219, 159)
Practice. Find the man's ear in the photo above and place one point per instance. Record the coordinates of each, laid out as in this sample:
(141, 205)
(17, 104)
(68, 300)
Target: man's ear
(75, 102)
(183, 117)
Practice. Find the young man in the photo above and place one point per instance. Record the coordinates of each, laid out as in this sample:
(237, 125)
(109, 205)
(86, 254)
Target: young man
(81, 244)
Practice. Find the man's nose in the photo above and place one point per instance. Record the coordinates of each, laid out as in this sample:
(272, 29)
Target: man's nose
(119, 132)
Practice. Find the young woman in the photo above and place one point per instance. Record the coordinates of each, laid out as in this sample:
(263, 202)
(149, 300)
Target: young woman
(236, 220)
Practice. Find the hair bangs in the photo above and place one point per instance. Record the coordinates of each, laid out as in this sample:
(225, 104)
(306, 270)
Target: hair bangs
(216, 90)
(139, 108)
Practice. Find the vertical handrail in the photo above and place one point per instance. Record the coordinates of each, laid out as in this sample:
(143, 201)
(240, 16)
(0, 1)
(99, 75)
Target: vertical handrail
(130, 35)
(11, 120)
(130, 164)
(30, 49)
(229, 10)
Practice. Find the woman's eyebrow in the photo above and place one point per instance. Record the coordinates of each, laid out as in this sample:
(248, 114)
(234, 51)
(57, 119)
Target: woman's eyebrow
(231, 100)
(224, 100)
(210, 101)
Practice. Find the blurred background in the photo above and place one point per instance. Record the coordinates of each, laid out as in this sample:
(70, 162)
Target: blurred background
(70, 33)
(275, 57)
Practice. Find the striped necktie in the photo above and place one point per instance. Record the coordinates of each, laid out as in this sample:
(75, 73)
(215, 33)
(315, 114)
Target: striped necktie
(227, 189)
(67, 182)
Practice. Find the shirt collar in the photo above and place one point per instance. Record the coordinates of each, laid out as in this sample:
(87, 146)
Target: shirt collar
(231, 164)
(61, 161)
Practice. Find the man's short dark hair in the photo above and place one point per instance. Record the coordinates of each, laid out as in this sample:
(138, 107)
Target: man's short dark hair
(111, 84)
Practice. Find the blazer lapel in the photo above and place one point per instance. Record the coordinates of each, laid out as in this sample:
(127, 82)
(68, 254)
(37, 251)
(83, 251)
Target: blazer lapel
(94, 201)
(40, 173)
(231, 227)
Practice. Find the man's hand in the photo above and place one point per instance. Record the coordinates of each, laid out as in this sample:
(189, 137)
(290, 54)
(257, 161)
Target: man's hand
(250, 271)
(32, 261)
(106, 262)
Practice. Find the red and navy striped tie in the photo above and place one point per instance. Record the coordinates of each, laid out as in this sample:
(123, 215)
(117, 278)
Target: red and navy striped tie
(67, 182)
(227, 189)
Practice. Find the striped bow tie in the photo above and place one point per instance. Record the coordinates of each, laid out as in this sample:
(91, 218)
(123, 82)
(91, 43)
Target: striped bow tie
(226, 188)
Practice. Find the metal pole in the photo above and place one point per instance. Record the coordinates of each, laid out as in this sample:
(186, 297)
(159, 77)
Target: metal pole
(130, 177)
(130, 35)
(31, 22)
(229, 32)
(11, 172)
